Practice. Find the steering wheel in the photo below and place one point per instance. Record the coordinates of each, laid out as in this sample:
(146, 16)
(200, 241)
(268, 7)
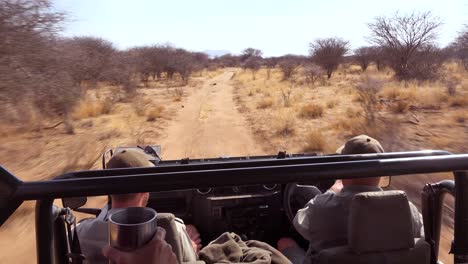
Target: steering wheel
(296, 196)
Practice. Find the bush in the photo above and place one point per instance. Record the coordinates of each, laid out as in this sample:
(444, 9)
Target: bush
(265, 102)
(368, 89)
(314, 141)
(87, 109)
(285, 126)
(399, 107)
(332, 103)
(311, 111)
(154, 113)
(460, 116)
(458, 101)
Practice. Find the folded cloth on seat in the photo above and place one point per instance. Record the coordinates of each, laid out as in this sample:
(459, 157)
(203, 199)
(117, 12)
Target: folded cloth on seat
(229, 248)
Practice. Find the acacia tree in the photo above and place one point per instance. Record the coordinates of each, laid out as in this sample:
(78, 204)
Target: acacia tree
(460, 46)
(402, 36)
(32, 71)
(289, 65)
(250, 52)
(363, 56)
(328, 53)
(88, 58)
(270, 63)
(312, 73)
(251, 59)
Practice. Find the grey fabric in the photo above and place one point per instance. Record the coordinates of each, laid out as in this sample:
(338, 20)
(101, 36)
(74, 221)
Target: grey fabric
(324, 219)
(93, 235)
(167, 222)
(295, 254)
(420, 254)
(380, 221)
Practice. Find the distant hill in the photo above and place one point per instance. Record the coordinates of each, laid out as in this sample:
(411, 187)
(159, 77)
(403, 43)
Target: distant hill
(216, 53)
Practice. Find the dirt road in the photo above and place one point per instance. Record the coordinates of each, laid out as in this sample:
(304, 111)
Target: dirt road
(209, 125)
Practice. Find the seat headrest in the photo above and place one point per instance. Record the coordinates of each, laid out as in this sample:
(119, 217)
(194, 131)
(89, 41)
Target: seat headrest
(380, 221)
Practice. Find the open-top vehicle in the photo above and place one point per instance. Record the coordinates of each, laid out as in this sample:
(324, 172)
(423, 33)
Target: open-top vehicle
(254, 197)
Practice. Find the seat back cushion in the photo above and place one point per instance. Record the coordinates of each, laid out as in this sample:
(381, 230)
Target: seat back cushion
(420, 254)
(167, 221)
(380, 221)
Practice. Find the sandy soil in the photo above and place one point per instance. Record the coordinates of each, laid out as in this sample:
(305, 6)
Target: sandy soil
(207, 122)
(209, 125)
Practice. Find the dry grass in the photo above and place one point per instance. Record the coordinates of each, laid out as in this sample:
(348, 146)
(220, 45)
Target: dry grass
(266, 102)
(314, 141)
(332, 103)
(458, 101)
(89, 108)
(154, 113)
(284, 125)
(311, 111)
(399, 107)
(460, 116)
(178, 94)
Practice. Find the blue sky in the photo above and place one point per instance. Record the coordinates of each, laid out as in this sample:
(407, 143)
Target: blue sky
(277, 27)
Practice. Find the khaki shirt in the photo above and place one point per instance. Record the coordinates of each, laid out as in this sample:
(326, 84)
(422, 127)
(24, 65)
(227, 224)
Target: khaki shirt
(94, 235)
(324, 219)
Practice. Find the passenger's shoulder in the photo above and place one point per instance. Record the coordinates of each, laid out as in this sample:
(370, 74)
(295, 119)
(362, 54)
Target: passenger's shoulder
(324, 198)
(91, 225)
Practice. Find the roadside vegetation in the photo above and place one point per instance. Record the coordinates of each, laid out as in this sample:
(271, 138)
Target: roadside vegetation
(75, 97)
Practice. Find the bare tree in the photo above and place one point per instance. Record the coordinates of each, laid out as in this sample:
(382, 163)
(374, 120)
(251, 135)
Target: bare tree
(87, 58)
(363, 56)
(250, 52)
(270, 63)
(289, 65)
(378, 56)
(312, 73)
(251, 59)
(32, 70)
(253, 63)
(328, 53)
(367, 90)
(121, 72)
(402, 36)
(460, 46)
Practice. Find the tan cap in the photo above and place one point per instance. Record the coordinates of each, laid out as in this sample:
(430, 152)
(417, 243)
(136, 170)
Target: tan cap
(129, 158)
(360, 145)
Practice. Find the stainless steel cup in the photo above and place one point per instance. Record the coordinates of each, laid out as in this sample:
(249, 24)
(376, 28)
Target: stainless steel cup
(131, 228)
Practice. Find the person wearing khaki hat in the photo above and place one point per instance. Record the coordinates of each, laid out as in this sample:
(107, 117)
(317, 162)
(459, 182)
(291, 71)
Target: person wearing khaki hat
(323, 220)
(93, 233)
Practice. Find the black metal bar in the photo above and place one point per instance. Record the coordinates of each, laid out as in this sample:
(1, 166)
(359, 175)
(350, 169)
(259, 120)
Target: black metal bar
(60, 237)
(238, 176)
(460, 243)
(44, 231)
(174, 166)
(432, 203)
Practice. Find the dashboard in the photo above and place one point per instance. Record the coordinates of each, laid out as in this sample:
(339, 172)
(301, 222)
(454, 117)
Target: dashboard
(253, 212)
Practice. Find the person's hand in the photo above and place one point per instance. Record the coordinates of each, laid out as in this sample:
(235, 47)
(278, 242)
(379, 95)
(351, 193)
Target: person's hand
(194, 237)
(156, 251)
(337, 186)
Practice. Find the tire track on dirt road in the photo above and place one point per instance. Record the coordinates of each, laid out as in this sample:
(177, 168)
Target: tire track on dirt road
(209, 125)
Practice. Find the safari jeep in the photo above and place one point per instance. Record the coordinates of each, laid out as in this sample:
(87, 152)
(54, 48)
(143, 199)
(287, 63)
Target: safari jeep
(252, 196)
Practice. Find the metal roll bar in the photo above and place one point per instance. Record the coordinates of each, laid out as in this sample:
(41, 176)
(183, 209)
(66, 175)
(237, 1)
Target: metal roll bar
(231, 173)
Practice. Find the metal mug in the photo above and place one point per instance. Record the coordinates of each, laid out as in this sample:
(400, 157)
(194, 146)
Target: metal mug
(132, 227)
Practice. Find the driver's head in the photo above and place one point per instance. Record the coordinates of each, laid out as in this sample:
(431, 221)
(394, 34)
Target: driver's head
(129, 158)
(362, 144)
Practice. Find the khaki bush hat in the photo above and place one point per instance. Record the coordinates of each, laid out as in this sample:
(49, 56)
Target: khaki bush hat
(129, 158)
(360, 145)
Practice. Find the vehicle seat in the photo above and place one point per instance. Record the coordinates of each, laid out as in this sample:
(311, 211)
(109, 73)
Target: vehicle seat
(379, 231)
(167, 221)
